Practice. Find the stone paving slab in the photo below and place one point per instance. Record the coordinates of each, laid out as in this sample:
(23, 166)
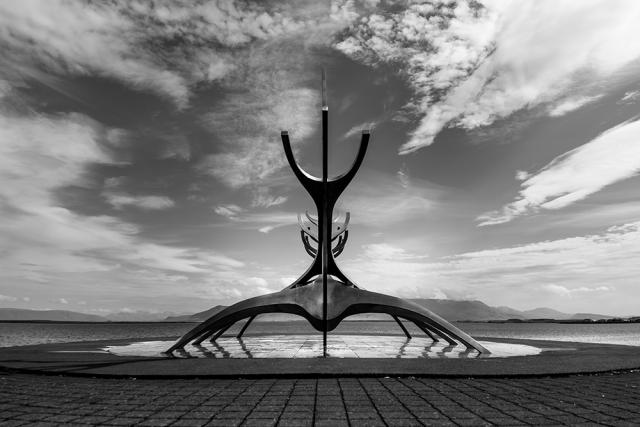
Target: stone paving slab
(88, 358)
(611, 399)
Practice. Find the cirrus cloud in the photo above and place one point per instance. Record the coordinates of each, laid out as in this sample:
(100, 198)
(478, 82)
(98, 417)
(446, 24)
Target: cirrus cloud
(470, 64)
(611, 157)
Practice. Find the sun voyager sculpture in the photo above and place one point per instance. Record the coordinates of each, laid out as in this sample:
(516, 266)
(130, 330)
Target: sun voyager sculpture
(323, 295)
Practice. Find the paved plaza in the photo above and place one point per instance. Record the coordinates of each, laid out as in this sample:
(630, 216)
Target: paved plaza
(602, 399)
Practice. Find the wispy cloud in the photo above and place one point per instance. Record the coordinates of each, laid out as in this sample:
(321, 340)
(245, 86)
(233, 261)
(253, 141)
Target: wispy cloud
(357, 129)
(263, 199)
(228, 211)
(630, 97)
(524, 276)
(39, 155)
(157, 46)
(470, 65)
(261, 221)
(573, 176)
(383, 200)
(571, 104)
(566, 292)
(249, 126)
(276, 88)
(46, 34)
(119, 200)
(386, 251)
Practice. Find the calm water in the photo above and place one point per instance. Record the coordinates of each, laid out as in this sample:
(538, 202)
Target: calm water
(12, 334)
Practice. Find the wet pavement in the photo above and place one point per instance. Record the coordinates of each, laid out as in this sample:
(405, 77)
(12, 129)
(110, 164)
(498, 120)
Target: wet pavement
(604, 399)
(338, 346)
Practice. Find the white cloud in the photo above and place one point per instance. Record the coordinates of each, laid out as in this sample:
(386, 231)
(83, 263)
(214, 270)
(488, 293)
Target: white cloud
(387, 251)
(571, 104)
(573, 176)
(592, 216)
(81, 38)
(229, 211)
(566, 292)
(469, 66)
(273, 92)
(62, 301)
(8, 298)
(382, 200)
(119, 200)
(260, 54)
(269, 228)
(40, 155)
(357, 129)
(523, 276)
(158, 46)
(630, 97)
(261, 221)
(389, 268)
(403, 176)
(263, 199)
(250, 126)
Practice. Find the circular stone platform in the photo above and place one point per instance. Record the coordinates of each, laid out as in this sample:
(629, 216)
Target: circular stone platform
(300, 356)
(310, 347)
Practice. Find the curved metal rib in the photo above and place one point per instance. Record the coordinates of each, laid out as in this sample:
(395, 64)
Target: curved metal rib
(311, 219)
(338, 228)
(424, 329)
(342, 241)
(312, 184)
(404, 329)
(311, 230)
(307, 246)
(244, 328)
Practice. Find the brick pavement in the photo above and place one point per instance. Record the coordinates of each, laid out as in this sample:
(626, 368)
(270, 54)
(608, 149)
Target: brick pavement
(603, 399)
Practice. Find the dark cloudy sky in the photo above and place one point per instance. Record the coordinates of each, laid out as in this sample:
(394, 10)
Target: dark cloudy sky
(141, 166)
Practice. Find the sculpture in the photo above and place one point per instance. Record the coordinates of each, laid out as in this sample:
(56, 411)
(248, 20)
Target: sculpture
(323, 294)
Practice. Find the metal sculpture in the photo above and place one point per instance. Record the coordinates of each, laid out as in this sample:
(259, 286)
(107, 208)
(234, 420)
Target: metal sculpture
(323, 294)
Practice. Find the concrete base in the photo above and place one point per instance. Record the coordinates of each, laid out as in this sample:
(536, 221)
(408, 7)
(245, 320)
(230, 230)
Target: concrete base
(91, 359)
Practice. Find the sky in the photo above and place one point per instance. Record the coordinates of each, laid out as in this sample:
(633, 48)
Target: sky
(141, 165)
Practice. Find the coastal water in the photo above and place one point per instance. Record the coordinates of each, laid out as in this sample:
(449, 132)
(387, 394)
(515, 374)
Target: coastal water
(13, 334)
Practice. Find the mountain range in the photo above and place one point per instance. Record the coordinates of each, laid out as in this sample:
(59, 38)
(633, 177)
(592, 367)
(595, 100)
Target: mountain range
(452, 310)
(19, 314)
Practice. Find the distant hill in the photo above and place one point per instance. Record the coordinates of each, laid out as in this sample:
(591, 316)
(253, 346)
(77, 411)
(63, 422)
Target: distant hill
(19, 314)
(197, 317)
(451, 310)
(138, 316)
(545, 313)
(479, 311)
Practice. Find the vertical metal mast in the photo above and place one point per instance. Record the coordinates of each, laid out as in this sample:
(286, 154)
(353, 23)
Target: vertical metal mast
(325, 222)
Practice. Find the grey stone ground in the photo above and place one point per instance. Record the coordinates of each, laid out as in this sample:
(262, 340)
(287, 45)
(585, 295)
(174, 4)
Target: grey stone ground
(604, 399)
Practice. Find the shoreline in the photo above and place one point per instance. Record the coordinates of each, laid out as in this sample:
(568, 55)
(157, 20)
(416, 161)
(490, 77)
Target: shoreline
(509, 321)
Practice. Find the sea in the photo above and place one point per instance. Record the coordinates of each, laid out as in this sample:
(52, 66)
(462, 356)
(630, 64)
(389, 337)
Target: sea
(26, 333)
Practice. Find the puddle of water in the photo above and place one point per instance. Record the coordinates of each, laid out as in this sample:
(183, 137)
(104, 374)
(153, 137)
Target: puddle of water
(338, 346)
